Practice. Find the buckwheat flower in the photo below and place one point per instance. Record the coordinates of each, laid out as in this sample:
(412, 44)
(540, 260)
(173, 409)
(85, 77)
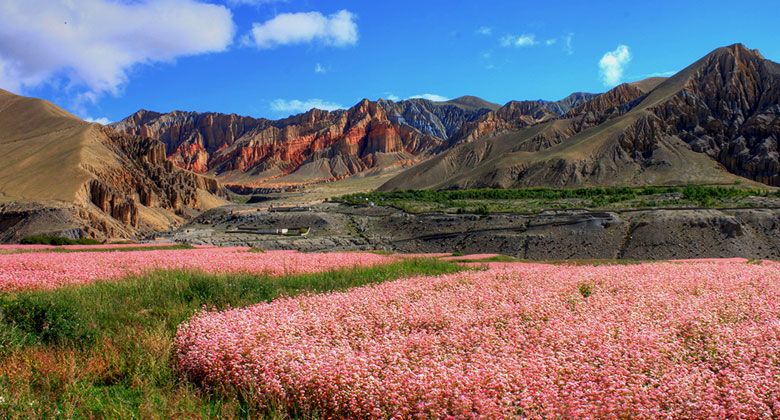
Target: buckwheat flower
(661, 340)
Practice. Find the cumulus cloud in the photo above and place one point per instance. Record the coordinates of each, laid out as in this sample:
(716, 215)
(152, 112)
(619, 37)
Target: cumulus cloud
(550, 42)
(319, 69)
(393, 98)
(484, 30)
(338, 30)
(525, 40)
(431, 97)
(297, 106)
(90, 45)
(612, 65)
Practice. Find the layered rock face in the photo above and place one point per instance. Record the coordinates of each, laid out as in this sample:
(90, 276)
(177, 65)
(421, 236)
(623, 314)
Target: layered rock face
(321, 145)
(713, 122)
(146, 177)
(516, 115)
(729, 109)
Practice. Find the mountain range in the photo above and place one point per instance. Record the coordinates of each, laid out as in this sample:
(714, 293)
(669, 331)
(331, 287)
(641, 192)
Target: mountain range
(714, 122)
(311, 147)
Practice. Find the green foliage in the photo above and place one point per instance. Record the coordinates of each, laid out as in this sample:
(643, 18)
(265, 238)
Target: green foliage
(592, 196)
(56, 240)
(707, 196)
(44, 318)
(506, 194)
(586, 289)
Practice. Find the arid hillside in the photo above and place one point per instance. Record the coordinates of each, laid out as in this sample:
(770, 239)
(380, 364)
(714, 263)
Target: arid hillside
(62, 175)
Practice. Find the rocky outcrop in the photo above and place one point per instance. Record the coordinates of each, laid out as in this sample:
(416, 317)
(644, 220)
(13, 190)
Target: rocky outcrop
(342, 143)
(729, 109)
(146, 177)
(516, 115)
(649, 234)
(437, 119)
(510, 117)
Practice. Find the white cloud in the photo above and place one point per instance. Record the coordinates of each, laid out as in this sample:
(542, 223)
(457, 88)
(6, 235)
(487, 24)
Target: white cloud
(659, 74)
(297, 106)
(612, 65)
(550, 42)
(484, 30)
(319, 69)
(567, 43)
(338, 30)
(101, 120)
(90, 45)
(525, 40)
(431, 97)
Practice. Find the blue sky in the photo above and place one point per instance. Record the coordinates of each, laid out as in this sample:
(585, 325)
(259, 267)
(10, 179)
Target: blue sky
(105, 59)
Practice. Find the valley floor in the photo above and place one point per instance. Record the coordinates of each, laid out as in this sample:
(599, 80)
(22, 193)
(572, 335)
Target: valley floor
(552, 234)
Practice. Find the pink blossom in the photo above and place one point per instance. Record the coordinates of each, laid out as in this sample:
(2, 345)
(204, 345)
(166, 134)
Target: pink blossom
(659, 340)
(48, 270)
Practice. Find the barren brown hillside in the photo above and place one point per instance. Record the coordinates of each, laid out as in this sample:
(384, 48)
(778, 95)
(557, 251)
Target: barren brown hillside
(99, 183)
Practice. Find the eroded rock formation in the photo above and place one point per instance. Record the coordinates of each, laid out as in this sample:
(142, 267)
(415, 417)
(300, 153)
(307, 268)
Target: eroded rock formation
(321, 145)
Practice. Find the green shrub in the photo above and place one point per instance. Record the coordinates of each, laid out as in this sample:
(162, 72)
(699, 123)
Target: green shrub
(41, 316)
(586, 289)
(56, 240)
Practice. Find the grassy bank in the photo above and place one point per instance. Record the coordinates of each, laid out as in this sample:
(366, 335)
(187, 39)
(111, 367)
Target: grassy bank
(534, 199)
(104, 350)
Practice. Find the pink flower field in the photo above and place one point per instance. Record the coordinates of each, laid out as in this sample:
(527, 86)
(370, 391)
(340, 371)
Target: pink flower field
(48, 270)
(18, 247)
(660, 340)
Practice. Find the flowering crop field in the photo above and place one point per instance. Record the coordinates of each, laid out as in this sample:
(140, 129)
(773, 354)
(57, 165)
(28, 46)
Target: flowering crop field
(49, 270)
(659, 340)
(18, 247)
